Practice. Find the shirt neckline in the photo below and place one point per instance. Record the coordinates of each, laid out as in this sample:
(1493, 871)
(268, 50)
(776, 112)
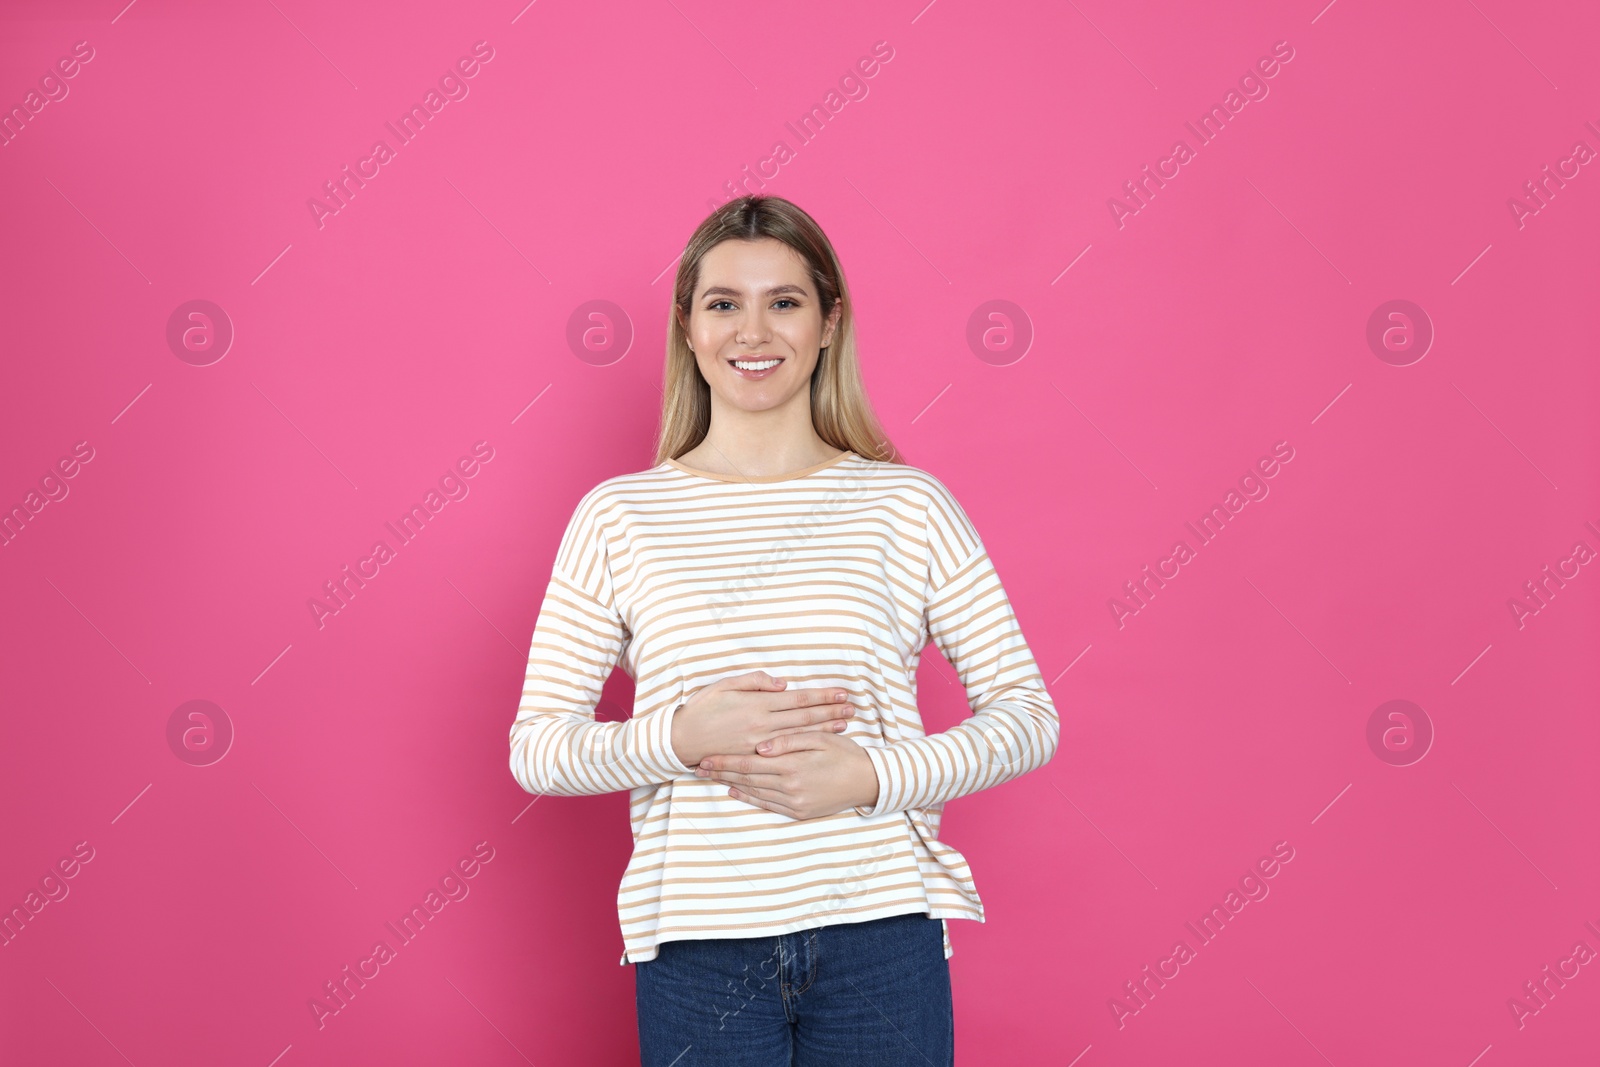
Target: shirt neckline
(801, 473)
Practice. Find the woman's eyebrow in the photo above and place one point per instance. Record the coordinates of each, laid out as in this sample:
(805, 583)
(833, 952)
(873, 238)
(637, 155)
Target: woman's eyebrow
(723, 290)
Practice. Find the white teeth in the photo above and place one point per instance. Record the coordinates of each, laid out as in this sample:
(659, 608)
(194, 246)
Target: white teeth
(762, 365)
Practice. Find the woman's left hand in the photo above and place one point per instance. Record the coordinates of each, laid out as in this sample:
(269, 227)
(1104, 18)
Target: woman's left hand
(803, 775)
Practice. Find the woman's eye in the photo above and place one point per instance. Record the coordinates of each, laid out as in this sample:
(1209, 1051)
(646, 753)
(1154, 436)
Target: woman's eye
(784, 300)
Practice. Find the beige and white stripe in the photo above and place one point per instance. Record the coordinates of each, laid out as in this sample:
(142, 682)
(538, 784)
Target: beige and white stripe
(835, 575)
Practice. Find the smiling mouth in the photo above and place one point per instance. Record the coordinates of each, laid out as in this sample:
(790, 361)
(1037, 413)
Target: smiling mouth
(757, 365)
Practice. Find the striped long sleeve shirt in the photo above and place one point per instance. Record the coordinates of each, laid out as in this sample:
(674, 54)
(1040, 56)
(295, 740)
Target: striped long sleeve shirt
(836, 575)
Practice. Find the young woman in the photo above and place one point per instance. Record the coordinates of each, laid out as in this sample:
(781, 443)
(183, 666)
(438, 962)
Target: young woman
(770, 585)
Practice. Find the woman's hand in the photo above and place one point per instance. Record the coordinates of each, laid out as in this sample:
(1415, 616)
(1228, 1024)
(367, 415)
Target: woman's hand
(802, 775)
(737, 713)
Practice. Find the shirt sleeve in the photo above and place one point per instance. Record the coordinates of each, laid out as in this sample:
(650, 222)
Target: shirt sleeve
(557, 745)
(1014, 727)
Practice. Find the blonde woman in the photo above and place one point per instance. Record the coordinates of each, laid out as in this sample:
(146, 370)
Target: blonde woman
(770, 585)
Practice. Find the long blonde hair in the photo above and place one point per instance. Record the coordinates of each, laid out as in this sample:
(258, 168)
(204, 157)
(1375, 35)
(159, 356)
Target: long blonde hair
(841, 413)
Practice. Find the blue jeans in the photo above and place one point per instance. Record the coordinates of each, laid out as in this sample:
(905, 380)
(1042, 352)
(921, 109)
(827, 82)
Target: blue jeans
(868, 994)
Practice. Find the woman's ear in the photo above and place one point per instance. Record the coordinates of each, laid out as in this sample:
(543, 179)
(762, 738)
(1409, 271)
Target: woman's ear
(832, 323)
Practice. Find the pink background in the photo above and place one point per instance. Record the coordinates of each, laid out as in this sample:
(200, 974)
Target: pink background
(1168, 354)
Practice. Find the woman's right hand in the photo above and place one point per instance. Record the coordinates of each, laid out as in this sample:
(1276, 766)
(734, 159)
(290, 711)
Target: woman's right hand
(735, 714)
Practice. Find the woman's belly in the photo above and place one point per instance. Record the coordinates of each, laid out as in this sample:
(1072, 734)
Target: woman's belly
(703, 858)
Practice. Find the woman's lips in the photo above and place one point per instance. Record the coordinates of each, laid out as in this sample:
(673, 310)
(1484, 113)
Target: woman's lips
(756, 375)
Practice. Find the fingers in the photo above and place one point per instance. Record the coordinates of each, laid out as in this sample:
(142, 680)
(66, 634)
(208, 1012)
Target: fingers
(754, 681)
(742, 769)
(793, 741)
(837, 726)
(772, 802)
(831, 727)
(807, 710)
(762, 790)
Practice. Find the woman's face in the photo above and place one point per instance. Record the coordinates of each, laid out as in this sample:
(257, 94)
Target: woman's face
(756, 303)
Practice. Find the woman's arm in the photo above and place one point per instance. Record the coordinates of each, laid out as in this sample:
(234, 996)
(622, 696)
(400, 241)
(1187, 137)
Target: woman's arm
(1014, 727)
(557, 746)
